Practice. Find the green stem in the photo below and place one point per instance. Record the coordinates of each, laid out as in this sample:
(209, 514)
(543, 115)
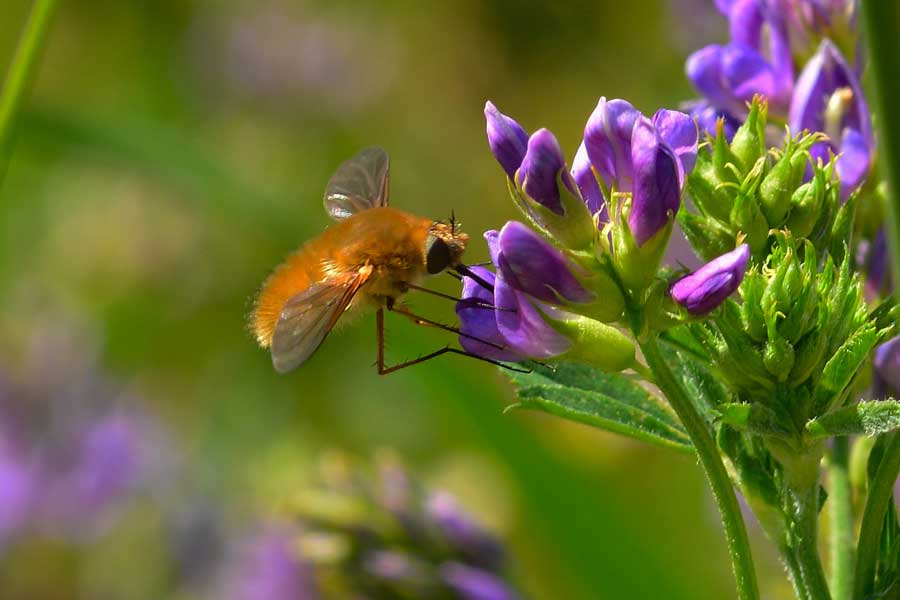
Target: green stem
(882, 18)
(789, 556)
(20, 75)
(881, 490)
(710, 459)
(841, 514)
(805, 537)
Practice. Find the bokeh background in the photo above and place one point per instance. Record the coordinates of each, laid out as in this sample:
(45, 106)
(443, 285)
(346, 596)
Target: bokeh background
(173, 152)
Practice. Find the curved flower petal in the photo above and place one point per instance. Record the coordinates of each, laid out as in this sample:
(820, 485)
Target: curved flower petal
(472, 583)
(523, 326)
(607, 140)
(507, 139)
(887, 368)
(531, 264)
(540, 168)
(587, 183)
(657, 183)
(481, 321)
(709, 286)
(680, 132)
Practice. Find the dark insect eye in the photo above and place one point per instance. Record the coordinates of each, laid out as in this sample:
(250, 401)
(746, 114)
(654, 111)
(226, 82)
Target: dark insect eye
(437, 255)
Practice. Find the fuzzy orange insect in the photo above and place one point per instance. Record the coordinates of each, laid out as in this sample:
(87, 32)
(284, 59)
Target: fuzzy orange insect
(371, 257)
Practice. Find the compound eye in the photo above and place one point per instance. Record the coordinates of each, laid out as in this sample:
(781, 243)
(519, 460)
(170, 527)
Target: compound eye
(437, 255)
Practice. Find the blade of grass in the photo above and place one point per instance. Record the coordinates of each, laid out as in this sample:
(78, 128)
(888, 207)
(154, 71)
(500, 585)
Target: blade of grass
(20, 75)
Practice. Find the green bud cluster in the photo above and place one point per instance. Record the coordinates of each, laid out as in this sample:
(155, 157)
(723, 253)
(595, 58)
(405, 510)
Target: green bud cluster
(791, 349)
(744, 190)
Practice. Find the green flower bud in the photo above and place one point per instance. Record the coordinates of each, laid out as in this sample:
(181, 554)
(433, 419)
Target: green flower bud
(778, 186)
(709, 193)
(728, 167)
(637, 265)
(806, 206)
(778, 357)
(752, 316)
(574, 228)
(749, 142)
(748, 218)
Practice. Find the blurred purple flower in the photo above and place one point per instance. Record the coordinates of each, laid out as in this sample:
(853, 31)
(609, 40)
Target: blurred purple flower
(757, 60)
(707, 115)
(265, 568)
(887, 369)
(507, 139)
(709, 286)
(471, 583)
(829, 98)
(462, 532)
(872, 260)
(18, 486)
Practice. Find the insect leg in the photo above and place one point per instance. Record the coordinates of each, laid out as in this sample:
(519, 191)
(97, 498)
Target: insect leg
(475, 302)
(379, 333)
(467, 272)
(382, 370)
(429, 323)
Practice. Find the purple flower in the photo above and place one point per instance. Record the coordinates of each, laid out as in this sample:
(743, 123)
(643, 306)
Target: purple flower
(481, 321)
(647, 158)
(18, 486)
(873, 261)
(531, 264)
(607, 141)
(706, 116)
(887, 369)
(709, 286)
(507, 139)
(265, 568)
(395, 567)
(462, 532)
(757, 61)
(519, 327)
(542, 165)
(471, 583)
(658, 180)
(828, 98)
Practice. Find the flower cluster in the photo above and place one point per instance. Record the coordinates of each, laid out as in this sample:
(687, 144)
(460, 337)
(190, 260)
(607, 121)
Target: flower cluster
(384, 537)
(769, 55)
(597, 236)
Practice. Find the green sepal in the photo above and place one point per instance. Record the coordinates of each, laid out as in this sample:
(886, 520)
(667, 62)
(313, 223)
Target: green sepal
(806, 206)
(870, 417)
(573, 229)
(707, 236)
(637, 265)
(842, 228)
(728, 167)
(842, 367)
(709, 193)
(778, 356)
(748, 218)
(779, 184)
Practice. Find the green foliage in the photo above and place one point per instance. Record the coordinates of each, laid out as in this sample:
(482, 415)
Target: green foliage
(870, 417)
(611, 402)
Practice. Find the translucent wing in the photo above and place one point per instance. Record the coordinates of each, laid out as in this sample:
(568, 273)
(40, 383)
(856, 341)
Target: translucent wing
(308, 317)
(358, 184)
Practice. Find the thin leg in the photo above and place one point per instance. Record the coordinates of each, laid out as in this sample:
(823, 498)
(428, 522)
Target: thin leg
(467, 272)
(429, 323)
(379, 331)
(475, 302)
(382, 370)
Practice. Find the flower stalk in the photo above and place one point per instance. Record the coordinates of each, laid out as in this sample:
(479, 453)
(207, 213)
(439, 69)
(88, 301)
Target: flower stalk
(21, 73)
(841, 516)
(710, 459)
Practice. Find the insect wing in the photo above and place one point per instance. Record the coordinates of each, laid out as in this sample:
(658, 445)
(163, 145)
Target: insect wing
(308, 317)
(358, 184)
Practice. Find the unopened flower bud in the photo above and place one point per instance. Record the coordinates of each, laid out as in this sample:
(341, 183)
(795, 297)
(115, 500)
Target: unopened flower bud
(706, 288)
(507, 139)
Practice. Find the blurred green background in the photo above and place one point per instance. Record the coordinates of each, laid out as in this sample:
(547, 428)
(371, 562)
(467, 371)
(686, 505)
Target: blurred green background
(174, 151)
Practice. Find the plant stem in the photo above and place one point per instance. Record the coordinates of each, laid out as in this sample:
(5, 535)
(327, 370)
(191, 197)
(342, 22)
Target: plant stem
(882, 18)
(20, 75)
(841, 515)
(880, 492)
(805, 506)
(710, 459)
(795, 574)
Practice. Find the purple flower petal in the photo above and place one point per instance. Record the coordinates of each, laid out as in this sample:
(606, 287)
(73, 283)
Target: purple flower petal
(855, 161)
(266, 569)
(507, 139)
(523, 326)
(481, 322)
(18, 485)
(531, 264)
(540, 168)
(470, 583)
(887, 368)
(709, 286)
(462, 532)
(607, 140)
(587, 183)
(680, 132)
(657, 185)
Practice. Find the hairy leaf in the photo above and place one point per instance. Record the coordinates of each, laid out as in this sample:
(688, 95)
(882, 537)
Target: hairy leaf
(754, 418)
(871, 417)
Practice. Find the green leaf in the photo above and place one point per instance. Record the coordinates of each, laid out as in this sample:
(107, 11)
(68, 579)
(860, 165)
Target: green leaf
(872, 417)
(754, 418)
(842, 366)
(606, 401)
(701, 385)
